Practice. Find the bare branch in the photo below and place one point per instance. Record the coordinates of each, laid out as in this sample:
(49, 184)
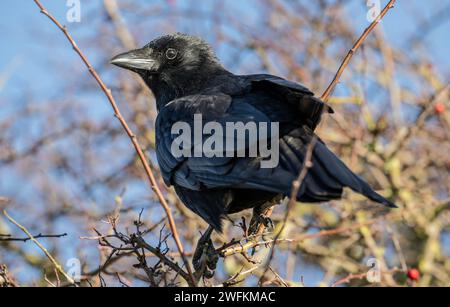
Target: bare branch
(326, 95)
(131, 135)
(46, 252)
(10, 238)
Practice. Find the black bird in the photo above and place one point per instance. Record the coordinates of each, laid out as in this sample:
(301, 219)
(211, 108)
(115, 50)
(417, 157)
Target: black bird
(187, 78)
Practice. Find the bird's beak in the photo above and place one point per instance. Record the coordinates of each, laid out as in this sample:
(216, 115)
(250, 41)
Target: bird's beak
(136, 60)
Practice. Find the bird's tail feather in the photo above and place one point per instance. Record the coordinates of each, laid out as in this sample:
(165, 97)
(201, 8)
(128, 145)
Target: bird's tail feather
(342, 174)
(324, 181)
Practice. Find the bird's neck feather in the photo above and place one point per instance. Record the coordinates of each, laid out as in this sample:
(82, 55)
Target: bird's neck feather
(168, 87)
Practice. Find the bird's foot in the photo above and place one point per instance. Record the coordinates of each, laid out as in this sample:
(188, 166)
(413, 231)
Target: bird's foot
(205, 257)
(257, 221)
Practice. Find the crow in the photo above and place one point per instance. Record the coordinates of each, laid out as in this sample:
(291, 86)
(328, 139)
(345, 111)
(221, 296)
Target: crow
(187, 79)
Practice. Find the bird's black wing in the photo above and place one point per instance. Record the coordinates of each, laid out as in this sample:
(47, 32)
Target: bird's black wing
(203, 183)
(211, 107)
(308, 108)
(197, 173)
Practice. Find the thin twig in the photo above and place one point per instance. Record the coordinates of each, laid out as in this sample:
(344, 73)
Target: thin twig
(326, 95)
(4, 200)
(406, 134)
(55, 263)
(238, 248)
(131, 135)
(10, 238)
(361, 276)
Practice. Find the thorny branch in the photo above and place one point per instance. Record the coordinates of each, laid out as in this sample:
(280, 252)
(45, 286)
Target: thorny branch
(135, 244)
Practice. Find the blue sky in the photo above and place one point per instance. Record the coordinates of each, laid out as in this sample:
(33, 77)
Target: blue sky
(22, 29)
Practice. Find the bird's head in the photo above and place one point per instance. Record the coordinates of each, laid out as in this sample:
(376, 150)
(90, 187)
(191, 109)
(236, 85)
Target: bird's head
(174, 63)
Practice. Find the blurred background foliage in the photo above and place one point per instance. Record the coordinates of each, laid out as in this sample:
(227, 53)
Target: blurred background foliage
(67, 167)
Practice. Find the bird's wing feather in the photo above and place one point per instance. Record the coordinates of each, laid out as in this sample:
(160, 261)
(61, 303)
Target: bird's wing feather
(308, 107)
(264, 78)
(196, 173)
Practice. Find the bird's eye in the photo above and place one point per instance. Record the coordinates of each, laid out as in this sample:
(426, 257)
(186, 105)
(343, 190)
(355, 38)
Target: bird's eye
(171, 54)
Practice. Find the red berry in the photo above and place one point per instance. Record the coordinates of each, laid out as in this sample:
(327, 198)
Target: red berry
(439, 108)
(414, 274)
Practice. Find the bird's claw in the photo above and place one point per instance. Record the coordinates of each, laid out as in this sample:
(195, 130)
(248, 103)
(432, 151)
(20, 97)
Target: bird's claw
(205, 258)
(257, 221)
